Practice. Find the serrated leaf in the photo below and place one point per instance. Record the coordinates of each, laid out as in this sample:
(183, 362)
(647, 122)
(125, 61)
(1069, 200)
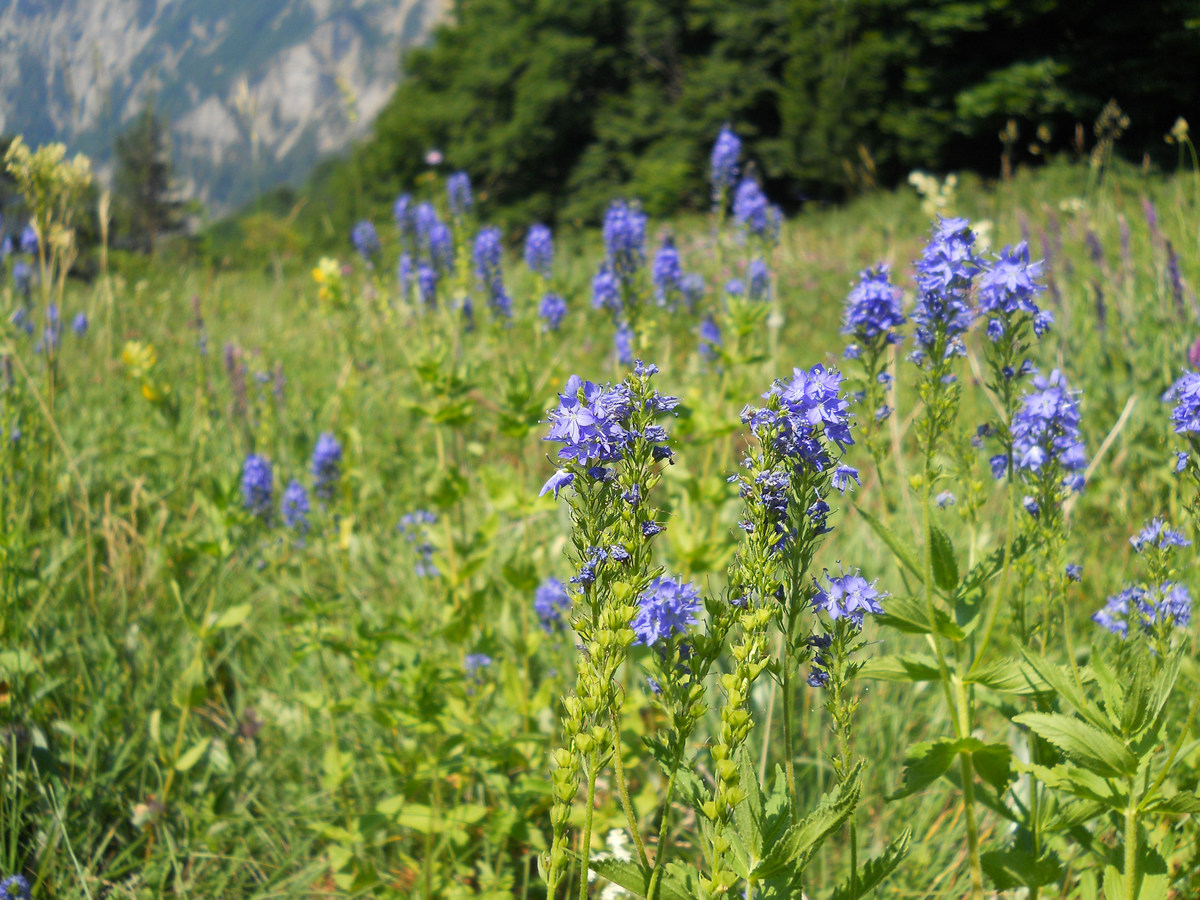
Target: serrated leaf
(1178, 804)
(993, 762)
(1081, 741)
(875, 870)
(1008, 676)
(635, 878)
(925, 763)
(901, 668)
(945, 565)
(1063, 683)
(748, 815)
(792, 852)
(1012, 868)
(902, 551)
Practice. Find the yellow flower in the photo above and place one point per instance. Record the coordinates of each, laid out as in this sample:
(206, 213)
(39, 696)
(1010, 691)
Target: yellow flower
(139, 358)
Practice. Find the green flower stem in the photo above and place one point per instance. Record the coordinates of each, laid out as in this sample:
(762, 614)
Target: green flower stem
(967, 768)
(623, 790)
(585, 849)
(660, 858)
(788, 745)
(1131, 844)
(993, 612)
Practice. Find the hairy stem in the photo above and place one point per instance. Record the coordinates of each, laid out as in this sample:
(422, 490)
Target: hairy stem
(623, 790)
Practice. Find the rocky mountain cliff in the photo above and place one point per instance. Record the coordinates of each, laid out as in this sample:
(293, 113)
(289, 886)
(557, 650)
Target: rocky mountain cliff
(256, 90)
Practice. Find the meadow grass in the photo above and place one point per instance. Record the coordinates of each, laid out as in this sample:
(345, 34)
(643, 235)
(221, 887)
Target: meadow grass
(200, 703)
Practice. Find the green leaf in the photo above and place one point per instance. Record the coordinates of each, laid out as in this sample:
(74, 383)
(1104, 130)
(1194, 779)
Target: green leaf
(945, 565)
(748, 815)
(635, 878)
(902, 551)
(1012, 868)
(233, 616)
(1177, 804)
(1009, 677)
(873, 872)
(1062, 682)
(1083, 742)
(901, 668)
(925, 763)
(794, 850)
(192, 755)
(993, 762)
(910, 616)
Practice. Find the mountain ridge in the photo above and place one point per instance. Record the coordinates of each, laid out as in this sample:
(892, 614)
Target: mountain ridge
(256, 91)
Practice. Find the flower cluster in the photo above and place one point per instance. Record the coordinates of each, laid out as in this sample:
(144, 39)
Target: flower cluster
(257, 486)
(365, 239)
(809, 407)
(14, 887)
(667, 274)
(539, 249)
(415, 528)
(724, 163)
(1009, 286)
(1045, 433)
(944, 275)
(487, 270)
(710, 338)
(758, 281)
(667, 606)
(873, 307)
(1186, 394)
(326, 465)
(551, 602)
(848, 596)
(295, 507)
(592, 422)
(1156, 534)
(552, 310)
(752, 211)
(458, 194)
(1168, 603)
(474, 663)
(624, 239)
(606, 291)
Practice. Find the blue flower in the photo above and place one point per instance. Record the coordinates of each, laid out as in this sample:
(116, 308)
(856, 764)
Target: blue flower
(811, 405)
(539, 249)
(29, 240)
(415, 528)
(559, 480)
(14, 887)
(552, 310)
(848, 596)
(667, 274)
(1011, 283)
(624, 238)
(724, 163)
(326, 465)
(551, 602)
(606, 291)
(1157, 534)
(758, 281)
(944, 499)
(402, 212)
(22, 275)
(623, 343)
(458, 194)
(873, 307)
(754, 213)
(257, 485)
(692, 289)
(365, 239)
(842, 476)
(487, 270)
(427, 284)
(1168, 602)
(1074, 572)
(710, 338)
(474, 662)
(295, 506)
(1045, 432)
(668, 606)
(1185, 392)
(944, 274)
(79, 324)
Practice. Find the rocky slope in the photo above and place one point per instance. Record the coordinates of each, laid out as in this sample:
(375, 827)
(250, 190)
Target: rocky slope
(256, 90)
